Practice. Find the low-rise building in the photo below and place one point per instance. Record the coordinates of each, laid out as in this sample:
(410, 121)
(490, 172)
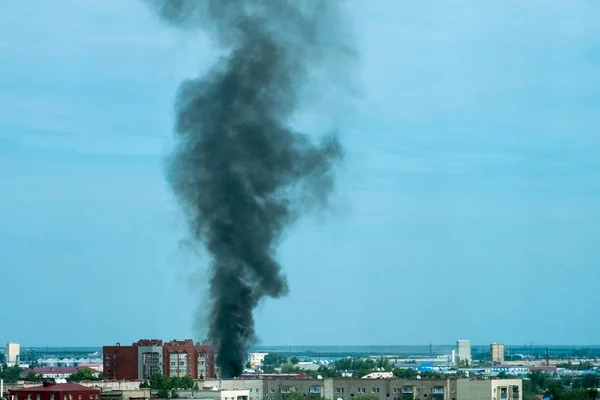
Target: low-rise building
(55, 391)
(386, 389)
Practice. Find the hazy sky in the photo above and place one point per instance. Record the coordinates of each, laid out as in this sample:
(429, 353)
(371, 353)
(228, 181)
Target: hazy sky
(468, 206)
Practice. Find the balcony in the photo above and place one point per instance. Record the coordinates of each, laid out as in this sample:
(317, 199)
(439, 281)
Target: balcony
(408, 390)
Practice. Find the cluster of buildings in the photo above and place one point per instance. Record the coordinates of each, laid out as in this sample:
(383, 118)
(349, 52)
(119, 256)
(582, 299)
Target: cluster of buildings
(273, 387)
(146, 357)
(124, 367)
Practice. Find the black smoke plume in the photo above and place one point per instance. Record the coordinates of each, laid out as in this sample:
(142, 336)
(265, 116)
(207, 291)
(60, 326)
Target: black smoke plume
(240, 171)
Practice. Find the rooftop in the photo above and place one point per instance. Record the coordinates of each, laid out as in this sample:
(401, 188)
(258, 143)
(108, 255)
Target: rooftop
(57, 387)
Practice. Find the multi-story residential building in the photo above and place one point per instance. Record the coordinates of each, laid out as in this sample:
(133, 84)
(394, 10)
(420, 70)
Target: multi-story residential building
(496, 389)
(145, 358)
(385, 389)
(12, 353)
(463, 350)
(497, 353)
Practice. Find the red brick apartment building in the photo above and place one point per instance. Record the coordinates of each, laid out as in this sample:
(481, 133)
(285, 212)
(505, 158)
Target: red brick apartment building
(145, 358)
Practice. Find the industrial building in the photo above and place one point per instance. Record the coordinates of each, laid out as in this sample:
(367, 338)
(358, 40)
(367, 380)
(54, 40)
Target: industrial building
(385, 389)
(55, 391)
(497, 353)
(12, 353)
(463, 352)
(145, 358)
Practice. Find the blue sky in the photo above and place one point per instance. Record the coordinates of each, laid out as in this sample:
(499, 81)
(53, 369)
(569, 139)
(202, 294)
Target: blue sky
(468, 205)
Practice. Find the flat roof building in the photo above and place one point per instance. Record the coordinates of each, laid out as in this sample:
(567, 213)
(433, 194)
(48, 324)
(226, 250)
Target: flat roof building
(145, 358)
(463, 352)
(497, 353)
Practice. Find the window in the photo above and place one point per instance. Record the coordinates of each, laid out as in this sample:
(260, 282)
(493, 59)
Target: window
(182, 363)
(91, 396)
(70, 396)
(374, 390)
(201, 355)
(173, 363)
(79, 397)
(28, 397)
(108, 363)
(37, 396)
(314, 389)
(65, 397)
(108, 356)
(173, 371)
(172, 355)
(52, 396)
(200, 362)
(272, 390)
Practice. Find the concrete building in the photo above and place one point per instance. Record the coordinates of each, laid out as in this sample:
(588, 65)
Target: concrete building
(256, 359)
(12, 353)
(497, 389)
(463, 352)
(497, 353)
(145, 358)
(385, 389)
(55, 391)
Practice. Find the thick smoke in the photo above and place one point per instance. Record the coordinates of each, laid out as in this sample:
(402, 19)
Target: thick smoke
(240, 171)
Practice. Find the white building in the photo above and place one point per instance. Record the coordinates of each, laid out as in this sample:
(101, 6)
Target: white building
(12, 352)
(256, 359)
(463, 350)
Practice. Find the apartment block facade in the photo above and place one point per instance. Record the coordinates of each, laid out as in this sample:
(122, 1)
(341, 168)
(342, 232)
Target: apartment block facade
(463, 352)
(146, 357)
(497, 353)
(385, 389)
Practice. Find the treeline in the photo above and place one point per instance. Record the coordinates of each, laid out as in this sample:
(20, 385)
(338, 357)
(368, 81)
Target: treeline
(583, 387)
(357, 366)
(167, 387)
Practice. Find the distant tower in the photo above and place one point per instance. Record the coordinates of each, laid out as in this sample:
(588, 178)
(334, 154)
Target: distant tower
(547, 357)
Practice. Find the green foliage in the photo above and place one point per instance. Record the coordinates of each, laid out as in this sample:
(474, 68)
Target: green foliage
(294, 360)
(10, 374)
(174, 394)
(274, 359)
(31, 377)
(405, 373)
(163, 394)
(585, 366)
(590, 381)
(369, 397)
(85, 374)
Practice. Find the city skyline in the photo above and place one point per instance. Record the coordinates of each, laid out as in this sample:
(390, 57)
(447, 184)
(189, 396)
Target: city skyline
(467, 207)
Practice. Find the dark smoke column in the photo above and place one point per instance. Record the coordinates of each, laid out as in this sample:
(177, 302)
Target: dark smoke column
(240, 172)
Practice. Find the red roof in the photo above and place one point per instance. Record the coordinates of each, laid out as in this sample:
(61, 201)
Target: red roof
(57, 387)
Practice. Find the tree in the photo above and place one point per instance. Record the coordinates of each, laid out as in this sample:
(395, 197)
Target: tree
(590, 381)
(10, 374)
(292, 396)
(294, 360)
(162, 394)
(84, 374)
(174, 394)
(274, 359)
(405, 373)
